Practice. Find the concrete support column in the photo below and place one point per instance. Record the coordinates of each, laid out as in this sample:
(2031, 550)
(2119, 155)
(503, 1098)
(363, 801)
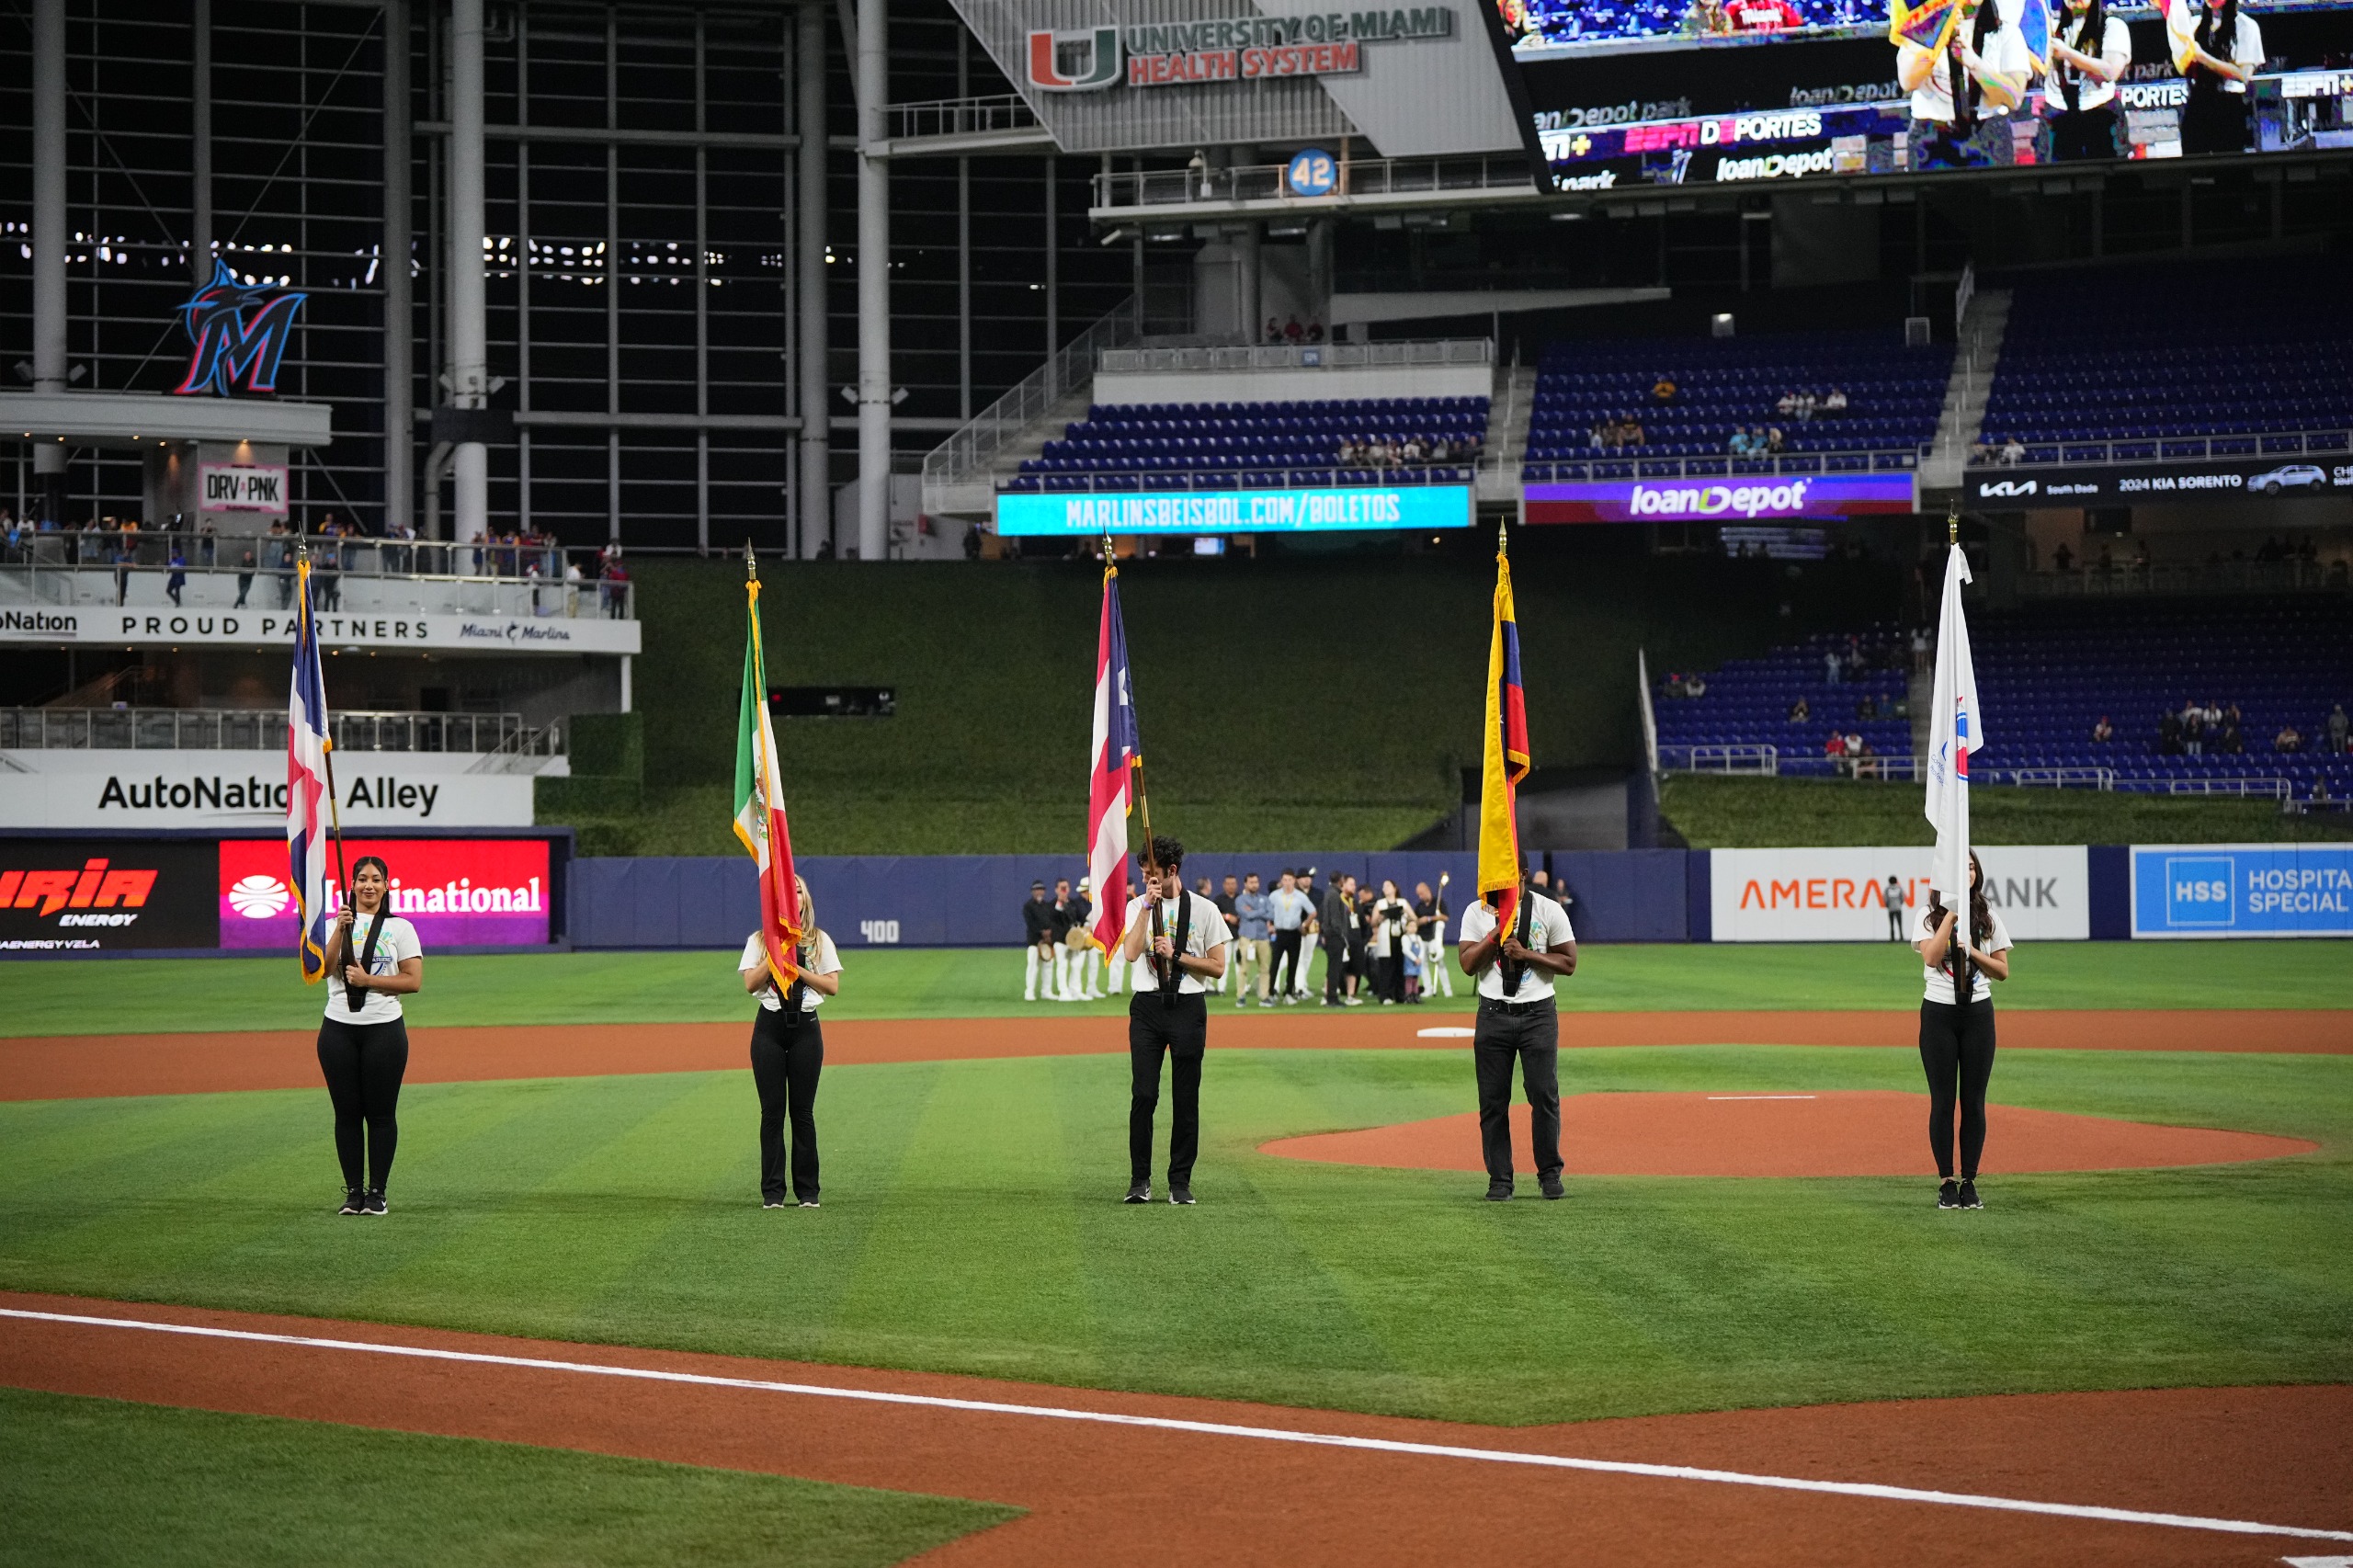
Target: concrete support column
(873, 283)
(199, 245)
(469, 355)
(49, 240)
(816, 505)
(400, 435)
(1247, 294)
(1319, 268)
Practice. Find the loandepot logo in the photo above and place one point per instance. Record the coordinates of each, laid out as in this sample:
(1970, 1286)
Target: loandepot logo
(1075, 62)
(1721, 500)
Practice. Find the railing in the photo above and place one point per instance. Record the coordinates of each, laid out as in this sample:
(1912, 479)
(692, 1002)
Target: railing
(962, 116)
(1299, 356)
(1189, 478)
(2277, 788)
(964, 457)
(2336, 444)
(1757, 761)
(375, 583)
(1767, 762)
(1566, 471)
(264, 728)
(2127, 579)
(1270, 182)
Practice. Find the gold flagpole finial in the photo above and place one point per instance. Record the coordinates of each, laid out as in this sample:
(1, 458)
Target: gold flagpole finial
(1952, 526)
(751, 564)
(1502, 534)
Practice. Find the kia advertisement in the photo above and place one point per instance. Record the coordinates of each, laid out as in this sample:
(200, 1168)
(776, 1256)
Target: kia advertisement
(1732, 499)
(2255, 479)
(2042, 892)
(472, 893)
(68, 895)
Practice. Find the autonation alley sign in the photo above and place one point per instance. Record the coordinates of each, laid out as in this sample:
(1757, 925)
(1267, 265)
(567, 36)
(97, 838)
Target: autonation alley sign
(109, 626)
(98, 789)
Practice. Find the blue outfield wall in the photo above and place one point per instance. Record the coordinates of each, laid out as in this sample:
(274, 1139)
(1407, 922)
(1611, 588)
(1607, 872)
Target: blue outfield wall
(974, 901)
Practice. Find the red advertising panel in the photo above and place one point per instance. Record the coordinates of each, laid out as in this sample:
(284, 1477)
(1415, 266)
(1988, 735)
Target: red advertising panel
(66, 896)
(459, 892)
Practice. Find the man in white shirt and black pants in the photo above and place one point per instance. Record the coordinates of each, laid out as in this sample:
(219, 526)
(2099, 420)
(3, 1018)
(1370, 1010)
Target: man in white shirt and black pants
(1517, 1021)
(1177, 940)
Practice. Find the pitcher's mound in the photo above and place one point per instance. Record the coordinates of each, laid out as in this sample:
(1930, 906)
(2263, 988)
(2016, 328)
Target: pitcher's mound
(1841, 1133)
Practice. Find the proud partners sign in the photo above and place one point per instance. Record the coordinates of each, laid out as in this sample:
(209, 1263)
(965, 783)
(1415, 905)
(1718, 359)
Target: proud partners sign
(2042, 892)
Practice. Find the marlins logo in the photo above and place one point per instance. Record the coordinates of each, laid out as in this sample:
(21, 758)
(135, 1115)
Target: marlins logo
(1075, 62)
(239, 335)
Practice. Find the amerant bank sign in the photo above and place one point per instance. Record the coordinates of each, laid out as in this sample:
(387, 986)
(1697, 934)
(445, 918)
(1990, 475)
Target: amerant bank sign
(1818, 496)
(2042, 892)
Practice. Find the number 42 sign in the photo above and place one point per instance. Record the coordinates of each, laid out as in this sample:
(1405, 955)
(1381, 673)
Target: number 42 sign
(1313, 172)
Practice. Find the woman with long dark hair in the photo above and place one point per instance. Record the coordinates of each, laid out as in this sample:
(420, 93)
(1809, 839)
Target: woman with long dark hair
(2090, 52)
(2222, 53)
(1963, 93)
(1957, 1037)
(788, 1052)
(374, 960)
(1391, 918)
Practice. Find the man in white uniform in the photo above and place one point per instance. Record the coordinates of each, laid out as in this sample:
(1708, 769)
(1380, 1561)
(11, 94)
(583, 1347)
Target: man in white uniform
(1519, 1021)
(1177, 940)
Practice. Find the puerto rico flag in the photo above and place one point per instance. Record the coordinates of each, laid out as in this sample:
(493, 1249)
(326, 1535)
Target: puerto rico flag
(1116, 750)
(1956, 727)
(760, 808)
(1504, 762)
(309, 806)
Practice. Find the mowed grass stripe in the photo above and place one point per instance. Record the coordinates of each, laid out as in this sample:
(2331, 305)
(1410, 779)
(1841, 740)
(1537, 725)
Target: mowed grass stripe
(972, 1224)
(164, 997)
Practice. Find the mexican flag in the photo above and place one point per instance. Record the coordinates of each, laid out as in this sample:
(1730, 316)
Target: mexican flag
(759, 807)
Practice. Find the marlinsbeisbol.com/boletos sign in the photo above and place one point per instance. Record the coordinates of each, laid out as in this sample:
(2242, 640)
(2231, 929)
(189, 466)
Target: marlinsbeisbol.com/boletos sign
(2058, 485)
(63, 896)
(110, 626)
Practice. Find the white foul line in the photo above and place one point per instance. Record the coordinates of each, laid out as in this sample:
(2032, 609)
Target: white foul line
(1224, 1429)
(1760, 1097)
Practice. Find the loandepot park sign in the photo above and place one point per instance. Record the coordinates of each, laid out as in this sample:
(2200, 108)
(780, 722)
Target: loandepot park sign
(1238, 511)
(1236, 49)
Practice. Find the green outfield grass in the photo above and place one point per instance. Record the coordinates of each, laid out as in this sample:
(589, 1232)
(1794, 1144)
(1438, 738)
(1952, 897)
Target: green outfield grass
(972, 1224)
(99, 1482)
(165, 995)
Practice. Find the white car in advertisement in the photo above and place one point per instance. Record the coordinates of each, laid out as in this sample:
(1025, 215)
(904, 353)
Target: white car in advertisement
(2288, 476)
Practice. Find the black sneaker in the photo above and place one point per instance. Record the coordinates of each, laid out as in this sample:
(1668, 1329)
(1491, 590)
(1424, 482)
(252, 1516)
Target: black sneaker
(1969, 1198)
(1180, 1195)
(354, 1201)
(373, 1202)
(1551, 1187)
(776, 1202)
(1499, 1192)
(1949, 1194)
(1138, 1192)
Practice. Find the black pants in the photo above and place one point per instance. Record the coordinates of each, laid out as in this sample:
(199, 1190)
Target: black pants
(785, 1059)
(1956, 1049)
(2213, 121)
(1336, 970)
(1282, 970)
(1178, 1025)
(364, 1063)
(1895, 922)
(2086, 134)
(1533, 1040)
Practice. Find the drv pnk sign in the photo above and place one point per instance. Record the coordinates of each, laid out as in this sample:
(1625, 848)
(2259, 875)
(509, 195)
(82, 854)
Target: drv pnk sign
(244, 487)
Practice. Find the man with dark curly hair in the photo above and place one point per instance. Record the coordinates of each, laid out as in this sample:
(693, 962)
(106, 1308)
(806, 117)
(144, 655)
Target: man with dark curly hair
(1178, 941)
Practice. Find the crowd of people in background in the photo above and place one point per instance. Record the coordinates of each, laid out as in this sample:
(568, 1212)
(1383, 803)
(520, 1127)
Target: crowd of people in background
(1390, 451)
(1292, 332)
(2199, 726)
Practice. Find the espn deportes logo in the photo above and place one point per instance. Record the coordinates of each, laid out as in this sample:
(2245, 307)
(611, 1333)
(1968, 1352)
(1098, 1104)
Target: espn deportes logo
(94, 887)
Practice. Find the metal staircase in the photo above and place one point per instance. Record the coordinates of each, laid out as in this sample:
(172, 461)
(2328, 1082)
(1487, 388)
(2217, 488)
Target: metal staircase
(1974, 363)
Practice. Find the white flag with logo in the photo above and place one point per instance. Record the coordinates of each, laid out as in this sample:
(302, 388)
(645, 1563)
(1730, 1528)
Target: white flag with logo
(1956, 728)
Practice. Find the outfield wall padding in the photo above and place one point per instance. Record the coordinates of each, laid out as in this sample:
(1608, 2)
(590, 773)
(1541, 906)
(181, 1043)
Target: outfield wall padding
(974, 901)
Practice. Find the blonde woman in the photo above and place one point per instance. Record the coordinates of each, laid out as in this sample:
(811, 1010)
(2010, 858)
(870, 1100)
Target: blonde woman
(788, 1053)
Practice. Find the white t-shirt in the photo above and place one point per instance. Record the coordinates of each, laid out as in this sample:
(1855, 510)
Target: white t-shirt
(397, 941)
(1391, 919)
(1940, 983)
(2005, 53)
(828, 961)
(2115, 44)
(1548, 929)
(2247, 49)
(1205, 936)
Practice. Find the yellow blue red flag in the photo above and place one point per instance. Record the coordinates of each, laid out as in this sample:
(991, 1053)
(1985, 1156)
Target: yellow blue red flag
(1505, 761)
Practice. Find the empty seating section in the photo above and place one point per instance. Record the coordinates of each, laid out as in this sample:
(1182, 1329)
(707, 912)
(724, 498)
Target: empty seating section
(1225, 445)
(2046, 678)
(1752, 702)
(2151, 355)
(1894, 394)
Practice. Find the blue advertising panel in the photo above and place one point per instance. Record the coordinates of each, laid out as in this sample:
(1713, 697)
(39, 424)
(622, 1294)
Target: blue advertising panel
(1238, 511)
(2243, 889)
(1734, 498)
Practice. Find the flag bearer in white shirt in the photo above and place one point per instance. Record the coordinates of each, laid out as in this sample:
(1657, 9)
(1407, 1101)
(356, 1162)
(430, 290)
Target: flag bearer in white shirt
(2225, 51)
(1177, 940)
(1962, 96)
(788, 1053)
(1518, 1022)
(2090, 52)
(374, 959)
(1957, 1043)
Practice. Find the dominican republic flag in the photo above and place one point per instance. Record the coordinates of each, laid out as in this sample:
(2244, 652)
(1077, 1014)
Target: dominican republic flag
(1956, 727)
(760, 808)
(1115, 751)
(1504, 762)
(308, 799)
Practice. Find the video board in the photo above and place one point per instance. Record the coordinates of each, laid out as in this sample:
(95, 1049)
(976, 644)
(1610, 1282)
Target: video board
(1649, 93)
(474, 892)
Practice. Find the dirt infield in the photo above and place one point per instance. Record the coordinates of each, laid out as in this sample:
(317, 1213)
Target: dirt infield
(97, 1065)
(1102, 1493)
(1842, 1134)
